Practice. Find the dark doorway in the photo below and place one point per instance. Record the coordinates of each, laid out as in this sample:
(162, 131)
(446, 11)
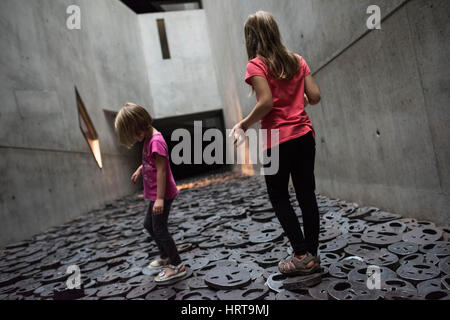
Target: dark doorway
(210, 119)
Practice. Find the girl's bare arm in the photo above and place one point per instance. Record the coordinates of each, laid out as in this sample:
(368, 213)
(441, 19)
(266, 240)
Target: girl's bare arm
(312, 90)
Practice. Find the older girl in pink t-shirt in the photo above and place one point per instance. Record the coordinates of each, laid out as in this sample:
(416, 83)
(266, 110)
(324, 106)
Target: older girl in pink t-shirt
(133, 123)
(284, 86)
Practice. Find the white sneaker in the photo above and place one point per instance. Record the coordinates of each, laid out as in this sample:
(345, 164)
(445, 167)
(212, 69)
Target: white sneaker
(159, 263)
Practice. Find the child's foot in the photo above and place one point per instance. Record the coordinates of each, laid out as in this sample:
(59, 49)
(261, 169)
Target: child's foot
(159, 263)
(171, 272)
(299, 265)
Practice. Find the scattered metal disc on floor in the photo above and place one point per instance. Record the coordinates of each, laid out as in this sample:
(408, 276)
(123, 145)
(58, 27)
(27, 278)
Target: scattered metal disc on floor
(351, 290)
(200, 294)
(302, 282)
(360, 213)
(383, 258)
(184, 247)
(402, 294)
(319, 292)
(140, 280)
(263, 216)
(382, 216)
(445, 233)
(197, 263)
(394, 284)
(413, 224)
(260, 247)
(254, 269)
(423, 235)
(417, 272)
(254, 291)
(327, 234)
(235, 213)
(218, 255)
(444, 265)
(246, 226)
(197, 283)
(361, 250)
(227, 278)
(380, 238)
(360, 274)
(403, 248)
(354, 226)
(350, 238)
(438, 248)
(111, 247)
(445, 282)
(161, 294)
(420, 258)
(327, 258)
(114, 290)
(275, 281)
(266, 235)
(333, 245)
(438, 295)
(271, 258)
(342, 268)
(427, 286)
(289, 295)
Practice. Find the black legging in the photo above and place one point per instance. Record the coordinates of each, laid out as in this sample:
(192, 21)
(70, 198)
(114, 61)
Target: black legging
(156, 225)
(296, 159)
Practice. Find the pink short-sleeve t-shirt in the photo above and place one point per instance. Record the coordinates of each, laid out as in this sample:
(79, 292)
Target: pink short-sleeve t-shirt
(156, 145)
(288, 114)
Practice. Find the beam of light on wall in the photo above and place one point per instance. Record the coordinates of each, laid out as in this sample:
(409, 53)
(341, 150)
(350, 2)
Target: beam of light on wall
(88, 130)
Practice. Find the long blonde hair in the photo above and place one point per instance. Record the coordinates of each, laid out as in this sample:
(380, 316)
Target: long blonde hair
(131, 119)
(263, 38)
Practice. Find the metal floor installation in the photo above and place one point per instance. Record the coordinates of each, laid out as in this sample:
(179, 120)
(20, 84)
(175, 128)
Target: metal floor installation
(231, 242)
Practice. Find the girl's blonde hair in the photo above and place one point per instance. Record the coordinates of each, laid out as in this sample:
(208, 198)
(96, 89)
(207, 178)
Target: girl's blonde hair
(263, 39)
(130, 120)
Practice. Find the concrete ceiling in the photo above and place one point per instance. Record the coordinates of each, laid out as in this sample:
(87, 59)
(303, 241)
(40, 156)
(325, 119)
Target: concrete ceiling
(148, 6)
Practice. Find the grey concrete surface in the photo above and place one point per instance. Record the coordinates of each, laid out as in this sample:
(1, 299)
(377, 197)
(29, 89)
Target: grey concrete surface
(392, 81)
(185, 83)
(48, 174)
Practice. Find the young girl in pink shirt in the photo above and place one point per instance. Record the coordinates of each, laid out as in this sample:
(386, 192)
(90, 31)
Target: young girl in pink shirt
(284, 86)
(133, 123)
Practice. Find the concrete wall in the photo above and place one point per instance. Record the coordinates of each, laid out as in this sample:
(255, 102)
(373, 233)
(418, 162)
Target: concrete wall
(185, 83)
(382, 127)
(47, 172)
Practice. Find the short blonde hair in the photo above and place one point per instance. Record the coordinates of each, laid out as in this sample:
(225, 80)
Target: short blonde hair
(131, 119)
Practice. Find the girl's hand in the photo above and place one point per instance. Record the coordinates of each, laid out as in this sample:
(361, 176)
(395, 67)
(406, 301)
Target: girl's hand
(306, 100)
(136, 175)
(158, 207)
(237, 133)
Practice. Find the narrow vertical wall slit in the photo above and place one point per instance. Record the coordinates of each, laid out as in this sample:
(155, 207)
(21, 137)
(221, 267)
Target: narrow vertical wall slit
(163, 38)
(88, 130)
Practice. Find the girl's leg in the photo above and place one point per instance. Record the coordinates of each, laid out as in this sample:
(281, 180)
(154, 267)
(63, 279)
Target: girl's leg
(163, 236)
(302, 171)
(148, 225)
(277, 188)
